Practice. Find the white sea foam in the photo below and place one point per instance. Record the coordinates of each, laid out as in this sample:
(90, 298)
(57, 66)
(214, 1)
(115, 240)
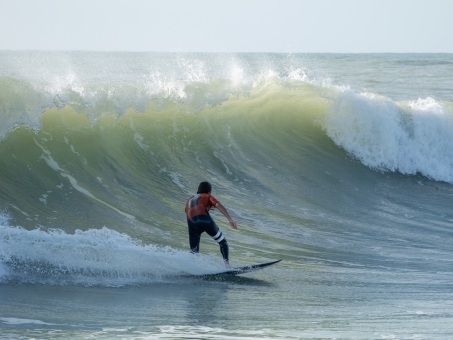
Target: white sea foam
(19, 321)
(413, 137)
(4, 272)
(91, 257)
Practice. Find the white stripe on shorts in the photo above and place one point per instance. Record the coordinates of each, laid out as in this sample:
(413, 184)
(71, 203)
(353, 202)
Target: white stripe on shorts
(219, 237)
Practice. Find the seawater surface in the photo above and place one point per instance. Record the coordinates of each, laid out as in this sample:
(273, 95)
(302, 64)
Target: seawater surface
(341, 165)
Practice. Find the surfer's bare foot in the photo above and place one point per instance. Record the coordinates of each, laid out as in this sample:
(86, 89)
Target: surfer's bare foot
(227, 264)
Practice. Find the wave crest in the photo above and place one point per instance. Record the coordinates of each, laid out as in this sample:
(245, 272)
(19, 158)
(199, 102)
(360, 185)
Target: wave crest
(413, 137)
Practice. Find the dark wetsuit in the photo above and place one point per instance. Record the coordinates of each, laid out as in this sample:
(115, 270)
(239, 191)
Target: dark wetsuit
(199, 221)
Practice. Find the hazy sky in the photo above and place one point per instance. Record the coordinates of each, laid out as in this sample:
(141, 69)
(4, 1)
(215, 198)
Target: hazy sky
(228, 25)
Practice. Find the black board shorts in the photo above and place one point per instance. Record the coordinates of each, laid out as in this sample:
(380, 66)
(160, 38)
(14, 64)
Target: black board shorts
(200, 224)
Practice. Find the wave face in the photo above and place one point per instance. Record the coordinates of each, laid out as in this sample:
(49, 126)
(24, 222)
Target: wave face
(100, 150)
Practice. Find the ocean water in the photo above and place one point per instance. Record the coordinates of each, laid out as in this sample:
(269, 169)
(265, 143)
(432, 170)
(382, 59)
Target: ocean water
(341, 165)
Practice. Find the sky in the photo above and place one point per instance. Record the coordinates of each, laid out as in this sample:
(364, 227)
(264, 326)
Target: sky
(305, 26)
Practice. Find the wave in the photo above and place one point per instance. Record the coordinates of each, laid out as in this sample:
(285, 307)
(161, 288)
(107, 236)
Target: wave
(409, 137)
(140, 152)
(98, 152)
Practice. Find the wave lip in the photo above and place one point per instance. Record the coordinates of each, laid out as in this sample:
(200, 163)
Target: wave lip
(412, 137)
(112, 83)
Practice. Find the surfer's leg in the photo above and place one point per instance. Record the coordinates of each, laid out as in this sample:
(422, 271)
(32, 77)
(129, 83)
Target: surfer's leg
(224, 250)
(217, 235)
(194, 237)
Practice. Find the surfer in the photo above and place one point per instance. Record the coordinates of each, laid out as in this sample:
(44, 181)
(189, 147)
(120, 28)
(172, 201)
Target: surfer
(199, 220)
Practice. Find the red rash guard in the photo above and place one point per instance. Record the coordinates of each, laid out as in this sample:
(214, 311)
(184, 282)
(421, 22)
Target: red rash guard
(199, 205)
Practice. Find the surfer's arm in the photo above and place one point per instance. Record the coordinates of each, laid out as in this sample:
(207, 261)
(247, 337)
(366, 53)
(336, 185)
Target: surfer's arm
(225, 213)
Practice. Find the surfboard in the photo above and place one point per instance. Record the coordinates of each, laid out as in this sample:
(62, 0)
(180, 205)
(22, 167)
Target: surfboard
(240, 270)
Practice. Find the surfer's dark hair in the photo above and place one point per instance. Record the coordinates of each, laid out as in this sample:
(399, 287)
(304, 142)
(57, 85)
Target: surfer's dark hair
(204, 188)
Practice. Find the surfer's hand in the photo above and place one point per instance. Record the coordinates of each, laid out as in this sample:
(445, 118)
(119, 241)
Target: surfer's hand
(233, 224)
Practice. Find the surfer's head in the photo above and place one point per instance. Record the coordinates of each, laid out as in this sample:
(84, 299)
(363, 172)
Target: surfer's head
(204, 188)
